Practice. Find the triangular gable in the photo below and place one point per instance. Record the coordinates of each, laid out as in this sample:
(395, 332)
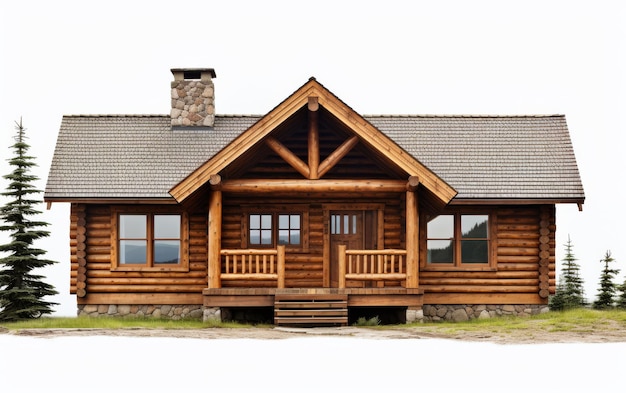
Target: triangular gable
(365, 131)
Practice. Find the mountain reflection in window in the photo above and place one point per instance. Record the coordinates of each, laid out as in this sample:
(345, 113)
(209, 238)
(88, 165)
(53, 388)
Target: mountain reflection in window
(443, 241)
(474, 243)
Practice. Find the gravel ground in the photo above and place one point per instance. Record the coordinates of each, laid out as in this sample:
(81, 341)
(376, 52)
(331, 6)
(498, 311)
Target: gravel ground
(611, 332)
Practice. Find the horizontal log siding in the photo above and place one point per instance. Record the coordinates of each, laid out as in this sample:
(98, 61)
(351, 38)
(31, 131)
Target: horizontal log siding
(517, 270)
(100, 279)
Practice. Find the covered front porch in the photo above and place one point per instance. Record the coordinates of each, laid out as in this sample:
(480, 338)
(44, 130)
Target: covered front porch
(363, 275)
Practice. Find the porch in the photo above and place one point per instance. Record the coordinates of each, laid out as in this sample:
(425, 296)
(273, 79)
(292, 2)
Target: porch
(362, 277)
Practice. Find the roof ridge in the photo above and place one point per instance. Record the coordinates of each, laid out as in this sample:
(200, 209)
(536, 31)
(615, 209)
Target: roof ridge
(117, 115)
(464, 116)
(150, 115)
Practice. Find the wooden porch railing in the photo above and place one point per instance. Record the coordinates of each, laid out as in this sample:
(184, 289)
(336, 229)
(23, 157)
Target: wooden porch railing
(370, 265)
(254, 264)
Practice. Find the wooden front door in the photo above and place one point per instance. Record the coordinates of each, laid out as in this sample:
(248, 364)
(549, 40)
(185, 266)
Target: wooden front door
(354, 228)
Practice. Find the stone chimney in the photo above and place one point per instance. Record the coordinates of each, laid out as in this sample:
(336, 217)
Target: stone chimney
(193, 97)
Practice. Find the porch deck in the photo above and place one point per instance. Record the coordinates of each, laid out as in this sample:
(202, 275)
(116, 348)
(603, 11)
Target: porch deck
(313, 306)
(357, 297)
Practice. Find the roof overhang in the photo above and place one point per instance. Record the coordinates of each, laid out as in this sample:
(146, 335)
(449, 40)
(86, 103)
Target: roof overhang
(518, 201)
(112, 201)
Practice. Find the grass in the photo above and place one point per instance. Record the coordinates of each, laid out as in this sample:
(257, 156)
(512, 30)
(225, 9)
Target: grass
(577, 320)
(115, 323)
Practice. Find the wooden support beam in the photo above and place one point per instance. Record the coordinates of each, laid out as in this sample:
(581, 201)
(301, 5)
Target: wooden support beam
(288, 156)
(412, 183)
(215, 240)
(314, 139)
(280, 282)
(341, 256)
(337, 155)
(412, 240)
(215, 181)
(300, 186)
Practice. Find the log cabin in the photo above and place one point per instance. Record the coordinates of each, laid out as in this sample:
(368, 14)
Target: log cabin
(311, 214)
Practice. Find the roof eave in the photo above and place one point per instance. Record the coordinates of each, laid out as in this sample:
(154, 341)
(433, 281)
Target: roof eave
(579, 201)
(111, 200)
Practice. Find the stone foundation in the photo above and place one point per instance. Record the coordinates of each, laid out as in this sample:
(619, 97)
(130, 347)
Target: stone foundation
(212, 314)
(166, 311)
(428, 313)
(459, 313)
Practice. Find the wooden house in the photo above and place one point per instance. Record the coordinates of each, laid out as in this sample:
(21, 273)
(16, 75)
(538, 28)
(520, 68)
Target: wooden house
(312, 213)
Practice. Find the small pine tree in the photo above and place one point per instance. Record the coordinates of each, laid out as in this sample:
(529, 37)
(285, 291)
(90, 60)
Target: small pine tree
(21, 291)
(621, 298)
(570, 292)
(606, 293)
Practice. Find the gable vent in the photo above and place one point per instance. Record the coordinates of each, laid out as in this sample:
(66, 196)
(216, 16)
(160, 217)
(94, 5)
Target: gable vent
(193, 97)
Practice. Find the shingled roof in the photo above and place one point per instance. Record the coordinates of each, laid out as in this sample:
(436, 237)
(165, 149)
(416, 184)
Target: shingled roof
(481, 157)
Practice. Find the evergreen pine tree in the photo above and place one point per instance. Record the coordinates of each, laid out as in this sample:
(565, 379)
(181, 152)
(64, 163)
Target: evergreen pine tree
(621, 298)
(22, 291)
(570, 292)
(606, 293)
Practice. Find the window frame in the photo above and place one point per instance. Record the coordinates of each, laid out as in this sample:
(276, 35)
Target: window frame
(275, 212)
(149, 266)
(457, 264)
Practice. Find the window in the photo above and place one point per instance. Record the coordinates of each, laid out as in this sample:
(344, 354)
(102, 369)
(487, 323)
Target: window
(458, 240)
(149, 241)
(288, 229)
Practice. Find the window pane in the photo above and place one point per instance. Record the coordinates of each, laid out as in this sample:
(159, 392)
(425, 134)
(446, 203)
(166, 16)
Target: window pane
(255, 221)
(266, 236)
(283, 221)
(441, 227)
(133, 251)
(474, 226)
(346, 225)
(166, 251)
(167, 227)
(133, 226)
(354, 224)
(474, 251)
(295, 237)
(294, 221)
(283, 236)
(255, 237)
(335, 224)
(440, 251)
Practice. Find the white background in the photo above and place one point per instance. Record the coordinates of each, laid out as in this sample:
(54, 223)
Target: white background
(315, 364)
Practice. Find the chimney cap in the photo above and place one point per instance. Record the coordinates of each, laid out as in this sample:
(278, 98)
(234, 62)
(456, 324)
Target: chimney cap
(192, 73)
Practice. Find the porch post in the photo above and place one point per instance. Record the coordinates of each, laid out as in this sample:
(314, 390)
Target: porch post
(412, 240)
(215, 239)
(280, 282)
(341, 256)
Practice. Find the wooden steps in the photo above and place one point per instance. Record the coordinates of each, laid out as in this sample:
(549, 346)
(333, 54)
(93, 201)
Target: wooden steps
(310, 309)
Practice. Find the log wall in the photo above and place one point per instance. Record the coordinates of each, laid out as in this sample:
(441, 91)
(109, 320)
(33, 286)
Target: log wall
(524, 270)
(131, 287)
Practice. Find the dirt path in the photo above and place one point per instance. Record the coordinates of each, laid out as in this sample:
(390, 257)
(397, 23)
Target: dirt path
(532, 335)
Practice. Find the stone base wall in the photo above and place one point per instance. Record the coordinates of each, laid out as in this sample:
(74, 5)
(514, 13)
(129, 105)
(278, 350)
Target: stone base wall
(166, 311)
(458, 313)
(428, 313)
